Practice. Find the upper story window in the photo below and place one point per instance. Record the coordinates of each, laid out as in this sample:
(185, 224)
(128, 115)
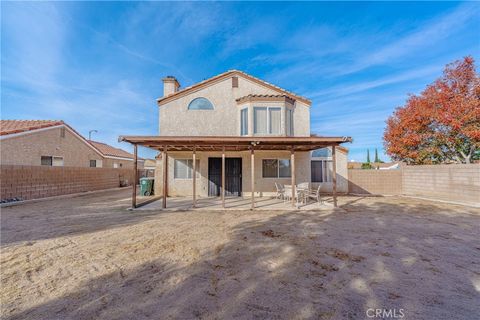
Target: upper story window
(267, 120)
(244, 122)
(200, 104)
(289, 122)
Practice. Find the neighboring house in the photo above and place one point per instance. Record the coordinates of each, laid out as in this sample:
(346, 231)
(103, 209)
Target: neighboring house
(235, 104)
(375, 165)
(115, 157)
(149, 165)
(55, 143)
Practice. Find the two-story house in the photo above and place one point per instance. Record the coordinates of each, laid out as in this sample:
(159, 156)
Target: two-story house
(240, 132)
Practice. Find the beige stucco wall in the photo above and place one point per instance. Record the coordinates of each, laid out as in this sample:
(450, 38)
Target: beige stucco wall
(27, 149)
(177, 120)
(263, 186)
(108, 163)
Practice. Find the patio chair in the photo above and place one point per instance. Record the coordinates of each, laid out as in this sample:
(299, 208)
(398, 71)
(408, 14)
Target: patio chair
(315, 194)
(280, 191)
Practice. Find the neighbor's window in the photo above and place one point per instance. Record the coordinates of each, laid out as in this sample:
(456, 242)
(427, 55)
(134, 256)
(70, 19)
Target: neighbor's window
(51, 161)
(95, 163)
(276, 168)
(115, 165)
(46, 160)
(321, 170)
(267, 120)
(183, 168)
(289, 120)
(244, 122)
(200, 104)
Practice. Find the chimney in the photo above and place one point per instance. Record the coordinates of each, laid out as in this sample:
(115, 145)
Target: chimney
(170, 85)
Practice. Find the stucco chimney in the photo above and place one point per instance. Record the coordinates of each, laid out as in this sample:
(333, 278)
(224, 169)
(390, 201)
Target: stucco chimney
(170, 85)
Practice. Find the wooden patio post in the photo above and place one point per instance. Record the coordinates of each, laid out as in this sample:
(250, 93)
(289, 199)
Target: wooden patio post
(194, 177)
(252, 159)
(165, 178)
(135, 176)
(334, 178)
(292, 168)
(223, 176)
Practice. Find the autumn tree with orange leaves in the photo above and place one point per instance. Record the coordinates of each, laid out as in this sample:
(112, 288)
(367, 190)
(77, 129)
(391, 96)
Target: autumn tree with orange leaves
(442, 124)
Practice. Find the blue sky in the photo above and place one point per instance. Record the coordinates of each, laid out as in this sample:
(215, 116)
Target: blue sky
(99, 65)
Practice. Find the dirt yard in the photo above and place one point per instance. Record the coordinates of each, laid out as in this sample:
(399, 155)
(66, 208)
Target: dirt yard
(89, 258)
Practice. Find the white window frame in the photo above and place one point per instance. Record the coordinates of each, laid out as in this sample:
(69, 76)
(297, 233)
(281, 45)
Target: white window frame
(278, 168)
(98, 163)
(189, 168)
(57, 158)
(53, 159)
(268, 126)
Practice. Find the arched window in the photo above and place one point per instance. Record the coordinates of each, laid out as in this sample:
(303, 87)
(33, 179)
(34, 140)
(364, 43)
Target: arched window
(200, 104)
(322, 153)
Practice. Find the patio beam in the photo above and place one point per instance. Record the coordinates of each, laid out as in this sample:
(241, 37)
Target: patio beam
(252, 177)
(223, 177)
(135, 176)
(165, 178)
(334, 168)
(292, 166)
(194, 177)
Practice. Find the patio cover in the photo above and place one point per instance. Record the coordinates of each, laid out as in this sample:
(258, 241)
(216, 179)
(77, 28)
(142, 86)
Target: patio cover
(231, 143)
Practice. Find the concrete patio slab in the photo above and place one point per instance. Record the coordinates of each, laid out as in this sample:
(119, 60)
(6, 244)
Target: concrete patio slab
(234, 203)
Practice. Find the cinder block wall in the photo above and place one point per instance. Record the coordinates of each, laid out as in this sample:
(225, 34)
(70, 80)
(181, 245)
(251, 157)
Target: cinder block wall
(384, 182)
(32, 182)
(454, 182)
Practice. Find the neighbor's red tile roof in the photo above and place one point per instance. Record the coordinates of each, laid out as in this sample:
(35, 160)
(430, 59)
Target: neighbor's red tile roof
(108, 150)
(17, 126)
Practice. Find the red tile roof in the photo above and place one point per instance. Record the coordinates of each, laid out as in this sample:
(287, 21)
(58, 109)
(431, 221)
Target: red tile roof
(108, 150)
(17, 126)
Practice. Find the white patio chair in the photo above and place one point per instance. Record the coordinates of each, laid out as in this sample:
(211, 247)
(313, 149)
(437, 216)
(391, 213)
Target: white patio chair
(280, 191)
(315, 194)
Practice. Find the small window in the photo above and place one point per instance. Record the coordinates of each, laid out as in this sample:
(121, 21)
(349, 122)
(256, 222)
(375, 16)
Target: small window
(57, 161)
(183, 168)
(115, 165)
(244, 122)
(276, 168)
(200, 104)
(96, 163)
(234, 82)
(321, 170)
(46, 161)
(62, 132)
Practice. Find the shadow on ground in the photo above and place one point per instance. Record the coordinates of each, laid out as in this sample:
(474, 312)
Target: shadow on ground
(421, 258)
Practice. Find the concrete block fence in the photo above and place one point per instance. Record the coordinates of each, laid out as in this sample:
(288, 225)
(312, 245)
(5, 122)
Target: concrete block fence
(33, 182)
(453, 183)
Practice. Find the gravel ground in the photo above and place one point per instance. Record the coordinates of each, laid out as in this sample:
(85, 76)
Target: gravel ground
(89, 258)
